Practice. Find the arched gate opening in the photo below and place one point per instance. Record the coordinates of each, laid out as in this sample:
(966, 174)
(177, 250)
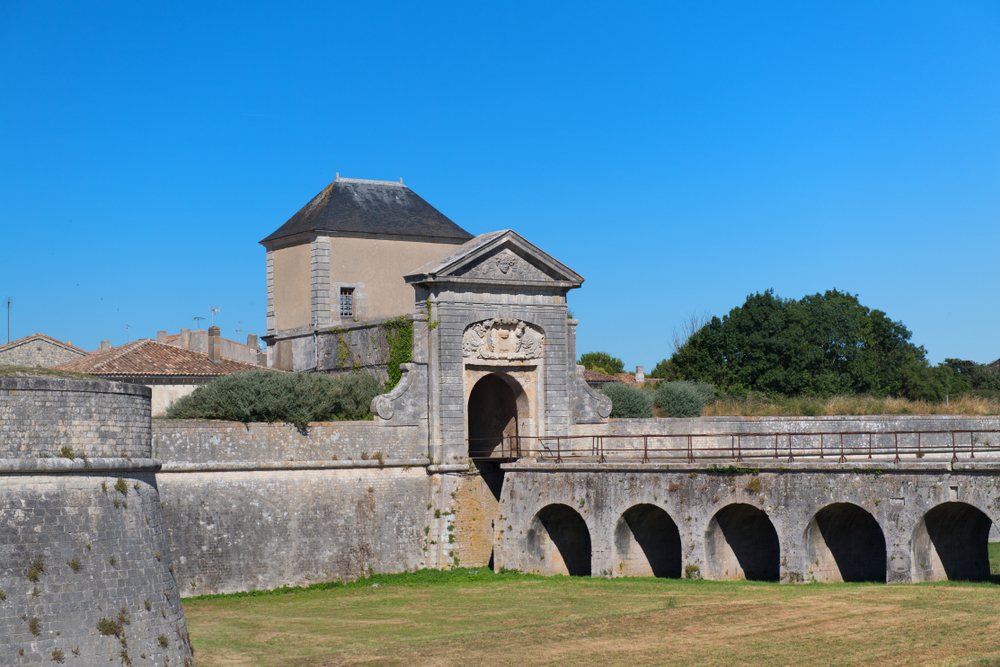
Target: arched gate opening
(493, 425)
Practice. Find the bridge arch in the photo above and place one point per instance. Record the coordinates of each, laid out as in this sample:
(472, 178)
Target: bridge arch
(741, 543)
(844, 542)
(558, 542)
(950, 542)
(647, 543)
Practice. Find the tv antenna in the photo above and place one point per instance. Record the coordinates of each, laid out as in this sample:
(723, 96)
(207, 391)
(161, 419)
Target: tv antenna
(197, 322)
(239, 330)
(128, 339)
(215, 309)
(8, 300)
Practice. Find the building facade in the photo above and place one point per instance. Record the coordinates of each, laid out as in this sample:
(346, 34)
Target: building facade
(342, 258)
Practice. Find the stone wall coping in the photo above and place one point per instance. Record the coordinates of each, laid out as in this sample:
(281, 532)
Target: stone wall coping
(97, 386)
(753, 419)
(78, 465)
(212, 423)
(750, 467)
(225, 466)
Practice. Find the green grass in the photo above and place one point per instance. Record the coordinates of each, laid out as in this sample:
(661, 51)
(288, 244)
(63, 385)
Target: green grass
(472, 617)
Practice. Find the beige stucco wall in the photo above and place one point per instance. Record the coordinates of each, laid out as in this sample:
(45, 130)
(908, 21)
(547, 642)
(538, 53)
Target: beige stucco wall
(165, 394)
(292, 287)
(380, 265)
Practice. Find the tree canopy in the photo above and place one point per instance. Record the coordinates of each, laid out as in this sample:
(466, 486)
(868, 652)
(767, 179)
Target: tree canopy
(821, 344)
(602, 362)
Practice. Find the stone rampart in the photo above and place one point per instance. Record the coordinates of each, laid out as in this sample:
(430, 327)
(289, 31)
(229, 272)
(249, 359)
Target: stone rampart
(176, 442)
(258, 506)
(85, 567)
(923, 436)
(39, 416)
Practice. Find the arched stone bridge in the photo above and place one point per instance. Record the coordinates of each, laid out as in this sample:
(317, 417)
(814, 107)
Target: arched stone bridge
(817, 520)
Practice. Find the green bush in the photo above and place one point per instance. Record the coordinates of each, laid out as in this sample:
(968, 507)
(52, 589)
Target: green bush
(683, 399)
(268, 396)
(628, 402)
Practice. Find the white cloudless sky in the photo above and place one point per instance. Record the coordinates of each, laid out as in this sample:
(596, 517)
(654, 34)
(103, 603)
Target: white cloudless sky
(680, 156)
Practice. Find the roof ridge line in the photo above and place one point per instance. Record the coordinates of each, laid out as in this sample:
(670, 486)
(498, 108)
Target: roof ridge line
(368, 181)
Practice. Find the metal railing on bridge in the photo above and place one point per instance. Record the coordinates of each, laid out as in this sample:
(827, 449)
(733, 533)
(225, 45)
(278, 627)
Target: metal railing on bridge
(691, 447)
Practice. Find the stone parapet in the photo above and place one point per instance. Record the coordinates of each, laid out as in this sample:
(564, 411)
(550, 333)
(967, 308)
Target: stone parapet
(94, 418)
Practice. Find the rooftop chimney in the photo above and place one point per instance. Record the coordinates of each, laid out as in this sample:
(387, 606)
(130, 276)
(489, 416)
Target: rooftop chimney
(185, 342)
(252, 341)
(105, 345)
(640, 375)
(161, 336)
(214, 344)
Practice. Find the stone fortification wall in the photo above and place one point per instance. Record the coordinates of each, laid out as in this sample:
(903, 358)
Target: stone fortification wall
(83, 540)
(350, 348)
(178, 442)
(258, 506)
(92, 417)
(623, 434)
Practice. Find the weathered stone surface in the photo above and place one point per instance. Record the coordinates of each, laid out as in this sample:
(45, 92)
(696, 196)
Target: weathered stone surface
(94, 524)
(818, 521)
(39, 416)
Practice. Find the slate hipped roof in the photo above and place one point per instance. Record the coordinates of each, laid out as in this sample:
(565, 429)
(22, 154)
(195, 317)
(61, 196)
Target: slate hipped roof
(147, 358)
(351, 205)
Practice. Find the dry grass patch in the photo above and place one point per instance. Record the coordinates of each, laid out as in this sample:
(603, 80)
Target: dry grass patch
(758, 405)
(519, 620)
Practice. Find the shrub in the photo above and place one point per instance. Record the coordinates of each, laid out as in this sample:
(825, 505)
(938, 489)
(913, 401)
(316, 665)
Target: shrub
(683, 399)
(268, 396)
(628, 402)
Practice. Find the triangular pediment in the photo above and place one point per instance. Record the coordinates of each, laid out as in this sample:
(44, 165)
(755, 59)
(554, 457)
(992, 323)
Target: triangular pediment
(498, 257)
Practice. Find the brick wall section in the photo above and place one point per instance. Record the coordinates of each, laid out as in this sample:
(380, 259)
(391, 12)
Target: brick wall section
(37, 352)
(92, 417)
(78, 515)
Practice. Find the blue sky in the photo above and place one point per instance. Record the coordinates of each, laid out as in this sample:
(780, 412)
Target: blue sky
(680, 156)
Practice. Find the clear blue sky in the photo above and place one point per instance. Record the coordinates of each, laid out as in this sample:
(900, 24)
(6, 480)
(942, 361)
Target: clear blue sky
(678, 155)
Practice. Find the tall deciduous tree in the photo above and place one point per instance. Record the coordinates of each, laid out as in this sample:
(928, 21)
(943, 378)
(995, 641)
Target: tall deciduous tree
(602, 362)
(821, 344)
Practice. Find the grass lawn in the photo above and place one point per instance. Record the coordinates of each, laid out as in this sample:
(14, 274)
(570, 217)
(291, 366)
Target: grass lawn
(461, 618)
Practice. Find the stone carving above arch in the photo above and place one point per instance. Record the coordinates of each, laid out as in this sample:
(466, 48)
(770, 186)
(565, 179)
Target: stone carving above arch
(503, 339)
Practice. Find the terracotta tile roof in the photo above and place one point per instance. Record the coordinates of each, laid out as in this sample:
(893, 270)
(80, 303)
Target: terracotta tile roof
(995, 365)
(20, 341)
(593, 377)
(628, 379)
(149, 358)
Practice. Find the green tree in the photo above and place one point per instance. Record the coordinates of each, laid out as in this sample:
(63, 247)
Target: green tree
(602, 362)
(821, 344)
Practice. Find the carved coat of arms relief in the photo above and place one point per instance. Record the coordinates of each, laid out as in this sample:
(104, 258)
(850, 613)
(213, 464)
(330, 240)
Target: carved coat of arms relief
(503, 338)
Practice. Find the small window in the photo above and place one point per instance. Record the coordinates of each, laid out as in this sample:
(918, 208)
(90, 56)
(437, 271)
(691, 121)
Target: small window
(347, 302)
